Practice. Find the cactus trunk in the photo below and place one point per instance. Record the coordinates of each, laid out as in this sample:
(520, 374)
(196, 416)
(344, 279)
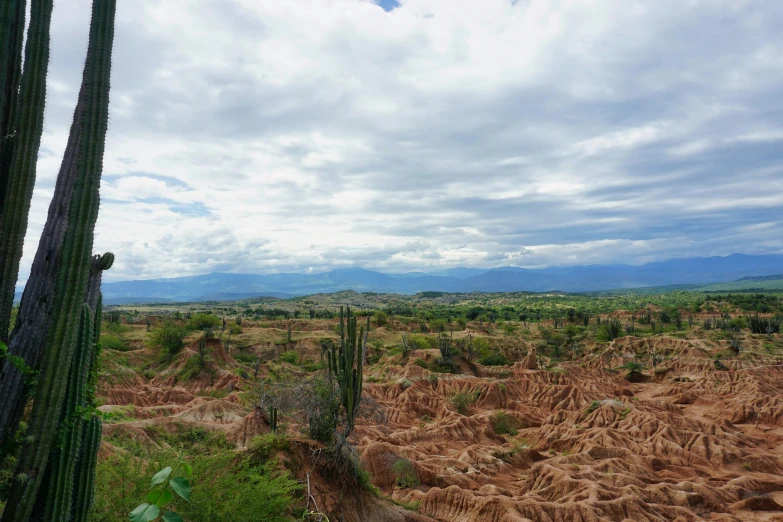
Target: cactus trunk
(22, 125)
(52, 303)
(64, 455)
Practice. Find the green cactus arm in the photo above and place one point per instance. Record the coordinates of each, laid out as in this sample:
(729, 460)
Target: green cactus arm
(84, 476)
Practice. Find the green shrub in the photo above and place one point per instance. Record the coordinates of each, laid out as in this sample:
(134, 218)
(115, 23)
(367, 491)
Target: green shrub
(380, 318)
(313, 366)
(504, 424)
(422, 363)
(442, 366)
(438, 325)
(245, 357)
(593, 406)
(462, 401)
(263, 447)
(225, 487)
(203, 322)
(494, 359)
(193, 367)
(422, 342)
(321, 410)
(509, 328)
(291, 357)
(113, 342)
(168, 336)
(405, 474)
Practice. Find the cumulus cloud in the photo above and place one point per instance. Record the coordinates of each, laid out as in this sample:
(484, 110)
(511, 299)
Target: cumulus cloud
(262, 136)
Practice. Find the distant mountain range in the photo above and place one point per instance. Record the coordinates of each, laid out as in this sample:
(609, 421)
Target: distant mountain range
(590, 278)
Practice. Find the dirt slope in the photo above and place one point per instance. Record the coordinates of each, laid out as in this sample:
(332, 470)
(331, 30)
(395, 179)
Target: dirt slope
(690, 442)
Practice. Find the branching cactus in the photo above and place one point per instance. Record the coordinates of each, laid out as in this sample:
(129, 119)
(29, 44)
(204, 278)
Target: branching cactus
(346, 363)
(50, 327)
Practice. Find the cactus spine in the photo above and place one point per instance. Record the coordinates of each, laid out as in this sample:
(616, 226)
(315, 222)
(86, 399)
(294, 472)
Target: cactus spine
(346, 363)
(46, 333)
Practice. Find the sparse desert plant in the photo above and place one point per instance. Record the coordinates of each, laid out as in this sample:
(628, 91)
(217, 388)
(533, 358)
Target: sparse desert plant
(493, 359)
(505, 424)
(263, 447)
(462, 401)
(168, 336)
(203, 322)
(735, 341)
(290, 357)
(763, 325)
(634, 370)
(593, 406)
(405, 473)
(113, 342)
(380, 318)
(609, 330)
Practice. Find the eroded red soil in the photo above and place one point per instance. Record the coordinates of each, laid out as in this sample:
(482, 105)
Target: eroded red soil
(689, 442)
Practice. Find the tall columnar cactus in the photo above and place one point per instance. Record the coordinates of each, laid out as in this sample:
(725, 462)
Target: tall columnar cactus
(21, 122)
(346, 363)
(63, 457)
(46, 332)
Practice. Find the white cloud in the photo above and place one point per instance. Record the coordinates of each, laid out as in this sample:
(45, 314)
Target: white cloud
(263, 136)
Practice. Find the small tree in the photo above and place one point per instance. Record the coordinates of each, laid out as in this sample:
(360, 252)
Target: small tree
(203, 322)
(168, 336)
(380, 318)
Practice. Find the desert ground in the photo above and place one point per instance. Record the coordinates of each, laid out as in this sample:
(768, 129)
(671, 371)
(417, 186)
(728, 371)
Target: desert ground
(681, 424)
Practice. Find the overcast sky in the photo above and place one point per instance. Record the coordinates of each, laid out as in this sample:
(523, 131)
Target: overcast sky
(262, 136)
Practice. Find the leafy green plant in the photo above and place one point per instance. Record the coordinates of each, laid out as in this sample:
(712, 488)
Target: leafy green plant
(494, 359)
(504, 424)
(405, 474)
(110, 341)
(290, 357)
(226, 486)
(462, 401)
(203, 322)
(168, 336)
(380, 318)
(263, 447)
(593, 406)
(165, 484)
